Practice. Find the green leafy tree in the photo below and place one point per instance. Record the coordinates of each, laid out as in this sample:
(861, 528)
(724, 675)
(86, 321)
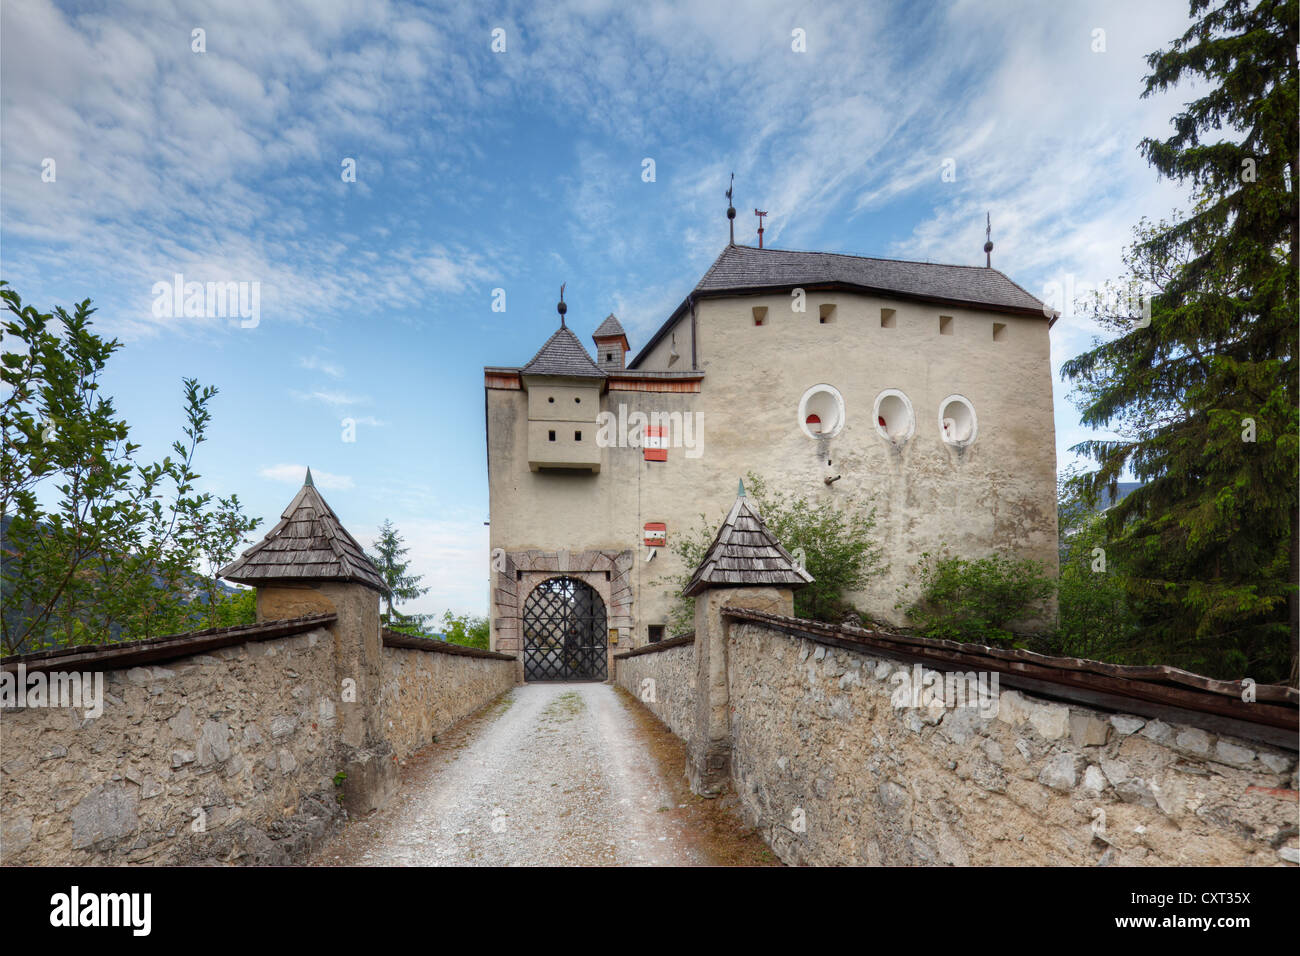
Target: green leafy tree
(114, 554)
(468, 630)
(975, 600)
(837, 544)
(387, 557)
(1204, 400)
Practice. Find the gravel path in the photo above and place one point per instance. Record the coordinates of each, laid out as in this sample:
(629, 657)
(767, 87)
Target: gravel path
(556, 775)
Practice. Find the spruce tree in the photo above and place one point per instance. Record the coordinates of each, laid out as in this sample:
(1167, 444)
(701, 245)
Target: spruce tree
(387, 559)
(1204, 399)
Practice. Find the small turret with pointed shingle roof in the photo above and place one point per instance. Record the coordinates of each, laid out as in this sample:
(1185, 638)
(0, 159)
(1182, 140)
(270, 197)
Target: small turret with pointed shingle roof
(611, 344)
(746, 554)
(308, 545)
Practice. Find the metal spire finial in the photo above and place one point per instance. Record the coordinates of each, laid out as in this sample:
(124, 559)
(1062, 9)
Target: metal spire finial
(561, 307)
(988, 241)
(308, 481)
(731, 209)
(741, 492)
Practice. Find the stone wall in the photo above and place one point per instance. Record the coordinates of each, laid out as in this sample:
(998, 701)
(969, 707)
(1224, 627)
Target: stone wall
(226, 756)
(223, 757)
(833, 773)
(662, 676)
(426, 691)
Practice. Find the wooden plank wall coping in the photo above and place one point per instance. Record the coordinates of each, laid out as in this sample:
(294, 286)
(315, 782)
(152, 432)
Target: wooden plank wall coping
(681, 640)
(394, 639)
(1158, 691)
(100, 657)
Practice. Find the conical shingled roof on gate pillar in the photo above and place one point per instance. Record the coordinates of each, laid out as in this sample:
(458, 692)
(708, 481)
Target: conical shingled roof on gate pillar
(745, 553)
(308, 545)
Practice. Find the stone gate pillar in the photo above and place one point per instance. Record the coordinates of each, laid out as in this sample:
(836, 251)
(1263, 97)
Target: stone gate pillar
(309, 564)
(744, 567)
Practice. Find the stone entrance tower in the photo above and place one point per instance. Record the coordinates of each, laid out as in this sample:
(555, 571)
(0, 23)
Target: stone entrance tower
(744, 567)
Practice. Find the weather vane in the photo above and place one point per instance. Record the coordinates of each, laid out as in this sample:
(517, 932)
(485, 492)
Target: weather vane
(731, 210)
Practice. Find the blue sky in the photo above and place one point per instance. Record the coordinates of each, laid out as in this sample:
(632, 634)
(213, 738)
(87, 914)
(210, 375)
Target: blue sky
(520, 170)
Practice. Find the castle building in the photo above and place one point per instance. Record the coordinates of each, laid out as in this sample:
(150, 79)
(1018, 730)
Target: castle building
(918, 389)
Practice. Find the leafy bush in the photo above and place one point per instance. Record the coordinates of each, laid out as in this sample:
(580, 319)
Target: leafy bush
(1097, 620)
(467, 630)
(837, 545)
(974, 601)
(234, 610)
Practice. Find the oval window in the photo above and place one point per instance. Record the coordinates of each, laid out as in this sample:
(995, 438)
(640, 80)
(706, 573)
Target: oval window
(821, 412)
(894, 417)
(957, 422)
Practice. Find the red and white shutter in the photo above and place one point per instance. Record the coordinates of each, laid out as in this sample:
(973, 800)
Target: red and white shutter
(656, 443)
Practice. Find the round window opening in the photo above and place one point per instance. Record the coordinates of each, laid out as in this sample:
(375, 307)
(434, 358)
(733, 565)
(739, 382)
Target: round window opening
(957, 423)
(894, 417)
(821, 412)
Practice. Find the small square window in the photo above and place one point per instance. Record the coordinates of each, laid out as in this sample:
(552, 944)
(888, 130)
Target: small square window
(577, 436)
(656, 633)
(826, 314)
(999, 331)
(887, 320)
(550, 436)
(945, 325)
(760, 315)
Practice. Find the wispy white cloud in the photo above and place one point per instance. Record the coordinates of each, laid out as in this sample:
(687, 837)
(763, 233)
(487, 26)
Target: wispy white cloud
(330, 397)
(294, 475)
(319, 364)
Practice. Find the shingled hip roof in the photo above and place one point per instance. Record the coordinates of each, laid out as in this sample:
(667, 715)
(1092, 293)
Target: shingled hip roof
(563, 354)
(745, 553)
(309, 544)
(744, 267)
(743, 270)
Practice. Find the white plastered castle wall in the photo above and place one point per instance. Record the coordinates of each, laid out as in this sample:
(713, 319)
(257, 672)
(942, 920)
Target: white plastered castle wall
(996, 494)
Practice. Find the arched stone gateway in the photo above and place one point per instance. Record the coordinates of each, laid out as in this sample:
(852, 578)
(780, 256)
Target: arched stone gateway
(564, 632)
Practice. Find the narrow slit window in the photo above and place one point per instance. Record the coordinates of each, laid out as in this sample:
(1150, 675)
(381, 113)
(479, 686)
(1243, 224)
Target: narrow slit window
(551, 435)
(577, 436)
(945, 325)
